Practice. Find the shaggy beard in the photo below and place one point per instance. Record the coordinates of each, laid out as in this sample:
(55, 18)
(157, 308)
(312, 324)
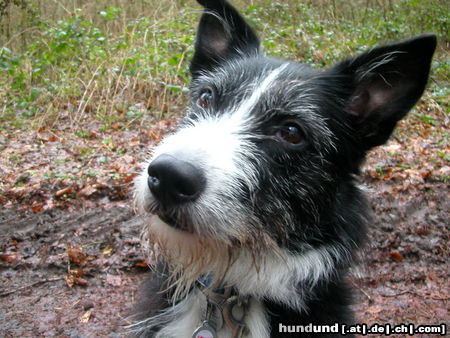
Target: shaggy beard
(190, 256)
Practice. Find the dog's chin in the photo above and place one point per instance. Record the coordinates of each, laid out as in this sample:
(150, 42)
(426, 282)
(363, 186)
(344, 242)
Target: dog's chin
(177, 224)
(167, 230)
(188, 254)
(180, 246)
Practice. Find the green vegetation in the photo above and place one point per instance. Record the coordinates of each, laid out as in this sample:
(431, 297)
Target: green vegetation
(85, 60)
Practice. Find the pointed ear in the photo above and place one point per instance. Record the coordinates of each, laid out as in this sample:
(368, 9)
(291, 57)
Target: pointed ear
(385, 83)
(222, 34)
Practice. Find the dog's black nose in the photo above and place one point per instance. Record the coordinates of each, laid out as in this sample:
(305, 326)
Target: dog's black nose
(173, 181)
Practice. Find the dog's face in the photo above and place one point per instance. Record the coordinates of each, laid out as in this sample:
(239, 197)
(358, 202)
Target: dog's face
(267, 145)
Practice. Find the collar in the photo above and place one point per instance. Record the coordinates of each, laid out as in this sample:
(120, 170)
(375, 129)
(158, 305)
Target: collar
(224, 306)
(204, 284)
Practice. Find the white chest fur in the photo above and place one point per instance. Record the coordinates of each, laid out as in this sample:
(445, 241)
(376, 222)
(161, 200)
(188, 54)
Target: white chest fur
(185, 317)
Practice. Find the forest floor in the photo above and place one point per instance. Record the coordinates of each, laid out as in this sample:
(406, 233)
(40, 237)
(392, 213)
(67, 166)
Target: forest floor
(71, 262)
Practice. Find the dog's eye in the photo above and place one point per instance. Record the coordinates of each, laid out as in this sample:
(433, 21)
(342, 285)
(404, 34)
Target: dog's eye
(289, 133)
(205, 98)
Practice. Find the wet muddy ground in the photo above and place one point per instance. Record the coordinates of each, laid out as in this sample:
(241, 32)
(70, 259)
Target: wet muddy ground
(75, 274)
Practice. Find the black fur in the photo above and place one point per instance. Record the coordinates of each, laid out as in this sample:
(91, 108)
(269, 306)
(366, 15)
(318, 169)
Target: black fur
(305, 197)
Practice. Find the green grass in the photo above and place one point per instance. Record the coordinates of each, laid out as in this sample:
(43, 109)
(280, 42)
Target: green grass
(119, 62)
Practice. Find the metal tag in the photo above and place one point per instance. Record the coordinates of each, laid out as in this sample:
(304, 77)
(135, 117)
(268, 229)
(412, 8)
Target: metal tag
(204, 331)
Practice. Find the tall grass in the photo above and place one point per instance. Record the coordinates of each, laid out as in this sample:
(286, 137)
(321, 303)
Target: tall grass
(82, 60)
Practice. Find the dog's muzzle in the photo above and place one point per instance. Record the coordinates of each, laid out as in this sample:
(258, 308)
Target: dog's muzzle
(174, 182)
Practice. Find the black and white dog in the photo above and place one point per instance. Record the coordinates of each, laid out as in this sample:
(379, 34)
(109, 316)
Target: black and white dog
(252, 207)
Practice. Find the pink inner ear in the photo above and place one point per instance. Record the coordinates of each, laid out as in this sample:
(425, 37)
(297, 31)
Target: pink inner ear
(365, 103)
(217, 44)
(377, 95)
(220, 47)
(359, 104)
(378, 98)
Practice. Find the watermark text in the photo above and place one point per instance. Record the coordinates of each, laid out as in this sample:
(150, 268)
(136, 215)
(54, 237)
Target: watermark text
(364, 329)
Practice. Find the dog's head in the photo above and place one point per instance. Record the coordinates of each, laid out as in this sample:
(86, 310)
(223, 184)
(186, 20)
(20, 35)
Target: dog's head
(264, 157)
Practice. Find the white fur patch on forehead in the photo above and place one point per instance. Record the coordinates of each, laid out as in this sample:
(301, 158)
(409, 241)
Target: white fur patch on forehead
(215, 142)
(253, 86)
(222, 131)
(248, 104)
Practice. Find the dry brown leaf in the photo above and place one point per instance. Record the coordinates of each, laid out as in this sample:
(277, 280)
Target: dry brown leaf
(87, 191)
(64, 191)
(107, 250)
(70, 280)
(396, 256)
(142, 264)
(8, 258)
(76, 255)
(81, 281)
(129, 178)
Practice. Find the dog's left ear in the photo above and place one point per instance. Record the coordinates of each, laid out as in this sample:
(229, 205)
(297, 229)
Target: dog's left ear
(385, 83)
(222, 34)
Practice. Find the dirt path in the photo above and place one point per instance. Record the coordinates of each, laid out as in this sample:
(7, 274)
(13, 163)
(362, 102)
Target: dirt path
(403, 277)
(100, 248)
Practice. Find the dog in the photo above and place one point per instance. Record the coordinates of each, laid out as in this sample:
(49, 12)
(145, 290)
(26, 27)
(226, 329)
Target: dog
(252, 209)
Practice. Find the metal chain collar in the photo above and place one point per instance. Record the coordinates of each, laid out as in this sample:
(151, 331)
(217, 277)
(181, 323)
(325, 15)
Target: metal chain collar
(223, 307)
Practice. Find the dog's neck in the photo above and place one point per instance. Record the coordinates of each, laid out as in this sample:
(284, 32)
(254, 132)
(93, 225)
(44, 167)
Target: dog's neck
(224, 306)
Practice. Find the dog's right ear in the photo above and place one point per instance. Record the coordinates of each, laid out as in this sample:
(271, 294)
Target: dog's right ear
(222, 34)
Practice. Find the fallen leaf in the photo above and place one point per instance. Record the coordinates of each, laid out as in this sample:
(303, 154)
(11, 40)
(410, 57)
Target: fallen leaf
(86, 316)
(37, 208)
(76, 255)
(87, 191)
(73, 278)
(8, 258)
(129, 178)
(142, 264)
(64, 191)
(81, 281)
(70, 280)
(107, 250)
(77, 272)
(396, 256)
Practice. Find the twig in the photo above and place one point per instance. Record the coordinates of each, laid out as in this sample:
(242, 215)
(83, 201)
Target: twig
(416, 294)
(440, 298)
(363, 291)
(7, 293)
(399, 294)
